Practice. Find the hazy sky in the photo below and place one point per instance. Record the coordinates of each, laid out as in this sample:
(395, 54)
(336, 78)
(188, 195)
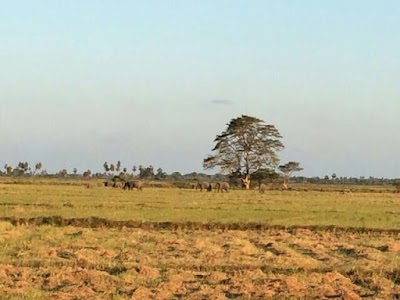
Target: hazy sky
(153, 82)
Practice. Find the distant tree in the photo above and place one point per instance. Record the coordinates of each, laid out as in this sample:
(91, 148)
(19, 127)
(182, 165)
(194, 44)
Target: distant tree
(38, 167)
(265, 175)
(106, 167)
(9, 170)
(191, 176)
(287, 170)
(176, 176)
(112, 168)
(118, 166)
(151, 170)
(124, 170)
(63, 173)
(87, 174)
(247, 145)
(146, 173)
(17, 172)
(160, 175)
(75, 171)
(22, 167)
(333, 176)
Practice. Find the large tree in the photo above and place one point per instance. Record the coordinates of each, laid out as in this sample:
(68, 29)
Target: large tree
(287, 170)
(247, 145)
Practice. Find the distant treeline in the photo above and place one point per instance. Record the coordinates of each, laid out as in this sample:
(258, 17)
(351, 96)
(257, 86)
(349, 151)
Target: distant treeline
(23, 169)
(346, 180)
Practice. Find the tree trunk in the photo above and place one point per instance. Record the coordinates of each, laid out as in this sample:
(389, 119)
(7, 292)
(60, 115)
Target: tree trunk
(246, 182)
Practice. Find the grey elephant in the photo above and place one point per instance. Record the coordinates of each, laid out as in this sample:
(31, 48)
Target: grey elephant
(117, 184)
(203, 185)
(130, 185)
(262, 188)
(222, 186)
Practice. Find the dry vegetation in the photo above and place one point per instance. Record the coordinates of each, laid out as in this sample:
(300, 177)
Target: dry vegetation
(70, 242)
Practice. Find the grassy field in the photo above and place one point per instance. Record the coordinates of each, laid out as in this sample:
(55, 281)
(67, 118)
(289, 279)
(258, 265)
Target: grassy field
(344, 209)
(65, 241)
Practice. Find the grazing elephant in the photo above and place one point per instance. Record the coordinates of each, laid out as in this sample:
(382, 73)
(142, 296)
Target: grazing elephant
(262, 188)
(108, 183)
(130, 185)
(203, 185)
(117, 184)
(222, 186)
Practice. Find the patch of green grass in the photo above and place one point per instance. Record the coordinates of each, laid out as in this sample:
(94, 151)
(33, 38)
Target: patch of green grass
(371, 210)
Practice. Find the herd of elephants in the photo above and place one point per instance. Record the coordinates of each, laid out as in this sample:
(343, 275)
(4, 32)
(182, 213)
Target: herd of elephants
(219, 186)
(128, 185)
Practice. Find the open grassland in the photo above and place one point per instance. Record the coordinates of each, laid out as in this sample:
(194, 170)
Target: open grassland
(287, 208)
(70, 242)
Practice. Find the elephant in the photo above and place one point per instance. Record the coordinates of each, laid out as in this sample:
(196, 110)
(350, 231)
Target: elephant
(203, 185)
(222, 186)
(130, 185)
(262, 188)
(117, 184)
(108, 183)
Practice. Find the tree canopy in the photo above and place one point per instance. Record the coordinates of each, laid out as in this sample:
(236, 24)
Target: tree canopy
(287, 170)
(247, 145)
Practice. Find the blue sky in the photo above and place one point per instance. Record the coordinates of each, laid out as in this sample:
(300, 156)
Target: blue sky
(153, 82)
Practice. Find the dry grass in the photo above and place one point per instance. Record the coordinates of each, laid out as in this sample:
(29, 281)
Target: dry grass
(49, 262)
(110, 259)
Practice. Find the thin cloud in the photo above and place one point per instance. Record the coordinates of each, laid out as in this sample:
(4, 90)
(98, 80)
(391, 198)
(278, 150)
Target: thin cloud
(222, 102)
